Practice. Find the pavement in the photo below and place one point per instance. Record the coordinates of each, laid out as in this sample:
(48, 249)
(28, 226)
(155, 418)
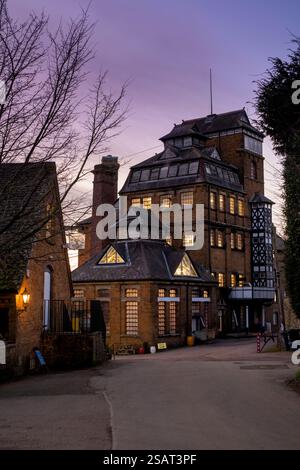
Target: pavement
(218, 396)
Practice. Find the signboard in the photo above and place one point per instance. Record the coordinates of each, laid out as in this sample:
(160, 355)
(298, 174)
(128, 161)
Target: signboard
(161, 346)
(2, 353)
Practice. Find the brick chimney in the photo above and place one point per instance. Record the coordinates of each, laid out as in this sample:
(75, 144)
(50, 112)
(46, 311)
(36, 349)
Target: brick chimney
(105, 191)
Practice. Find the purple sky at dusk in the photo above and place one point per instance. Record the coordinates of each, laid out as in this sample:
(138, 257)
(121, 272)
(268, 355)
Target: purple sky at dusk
(166, 47)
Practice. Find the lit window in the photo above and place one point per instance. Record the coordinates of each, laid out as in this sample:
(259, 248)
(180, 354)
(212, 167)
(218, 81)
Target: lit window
(111, 257)
(173, 293)
(221, 279)
(172, 318)
(232, 205)
(239, 241)
(79, 293)
(187, 199)
(205, 294)
(161, 318)
(241, 208)
(212, 199)
(132, 318)
(253, 171)
(212, 238)
(188, 240)
(131, 292)
(222, 202)
(213, 275)
(232, 241)
(166, 200)
(241, 280)
(161, 292)
(147, 202)
(220, 239)
(186, 268)
(233, 280)
(136, 201)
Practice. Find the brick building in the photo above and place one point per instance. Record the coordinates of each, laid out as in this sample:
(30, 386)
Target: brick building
(34, 265)
(216, 161)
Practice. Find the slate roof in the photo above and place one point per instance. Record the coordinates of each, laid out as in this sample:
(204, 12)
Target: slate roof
(258, 197)
(23, 189)
(177, 156)
(144, 260)
(214, 123)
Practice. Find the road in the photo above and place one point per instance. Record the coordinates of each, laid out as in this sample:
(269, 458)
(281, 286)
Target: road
(219, 396)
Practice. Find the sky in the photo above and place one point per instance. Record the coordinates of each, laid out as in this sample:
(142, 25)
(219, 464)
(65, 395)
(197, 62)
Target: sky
(166, 48)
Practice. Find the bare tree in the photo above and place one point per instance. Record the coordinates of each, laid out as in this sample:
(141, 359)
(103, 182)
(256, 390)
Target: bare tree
(50, 113)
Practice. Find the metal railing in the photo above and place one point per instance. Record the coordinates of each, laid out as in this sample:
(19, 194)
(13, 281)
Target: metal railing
(73, 317)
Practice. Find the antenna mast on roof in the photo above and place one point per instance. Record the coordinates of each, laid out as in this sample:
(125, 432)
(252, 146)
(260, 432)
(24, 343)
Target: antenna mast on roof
(211, 91)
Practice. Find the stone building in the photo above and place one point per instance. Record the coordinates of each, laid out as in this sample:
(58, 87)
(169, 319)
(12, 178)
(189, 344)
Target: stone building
(216, 161)
(34, 266)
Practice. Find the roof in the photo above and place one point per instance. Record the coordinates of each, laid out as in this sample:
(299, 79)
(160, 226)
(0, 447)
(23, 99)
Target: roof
(24, 188)
(144, 260)
(213, 123)
(193, 167)
(260, 198)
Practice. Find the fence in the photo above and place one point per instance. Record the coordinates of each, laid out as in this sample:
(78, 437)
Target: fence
(73, 317)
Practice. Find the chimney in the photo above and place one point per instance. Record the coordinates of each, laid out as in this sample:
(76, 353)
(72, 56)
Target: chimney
(105, 191)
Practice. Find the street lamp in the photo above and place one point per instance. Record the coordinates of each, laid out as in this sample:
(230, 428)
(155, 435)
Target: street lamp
(26, 298)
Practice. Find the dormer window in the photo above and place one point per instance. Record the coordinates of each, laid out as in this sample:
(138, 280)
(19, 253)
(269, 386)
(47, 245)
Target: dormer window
(185, 268)
(111, 257)
(187, 141)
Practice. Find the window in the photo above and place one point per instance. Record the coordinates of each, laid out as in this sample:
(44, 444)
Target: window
(166, 200)
(132, 318)
(135, 177)
(187, 198)
(145, 175)
(187, 141)
(212, 199)
(205, 294)
(136, 201)
(222, 202)
(220, 239)
(232, 205)
(183, 169)
(173, 293)
(131, 292)
(154, 174)
(79, 293)
(221, 279)
(4, 322)
(195, 292)
(239, 241)
(111, 257)
(233, 280)
(253, 170)
(188, 239)
(172, 171)
(253, 145)
(241, 208)
(232, 241)
(161, 293)
(172, 318)
(193, 168)
(207, 169)
(161, 318)
(163, 172)
(185, 268)
(147, 202)
(241, 280)
(212, 238)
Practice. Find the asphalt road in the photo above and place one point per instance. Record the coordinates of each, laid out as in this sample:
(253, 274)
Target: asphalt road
(219, 396)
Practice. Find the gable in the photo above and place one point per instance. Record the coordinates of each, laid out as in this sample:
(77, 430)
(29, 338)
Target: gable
(185, 268)
(111, 256)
